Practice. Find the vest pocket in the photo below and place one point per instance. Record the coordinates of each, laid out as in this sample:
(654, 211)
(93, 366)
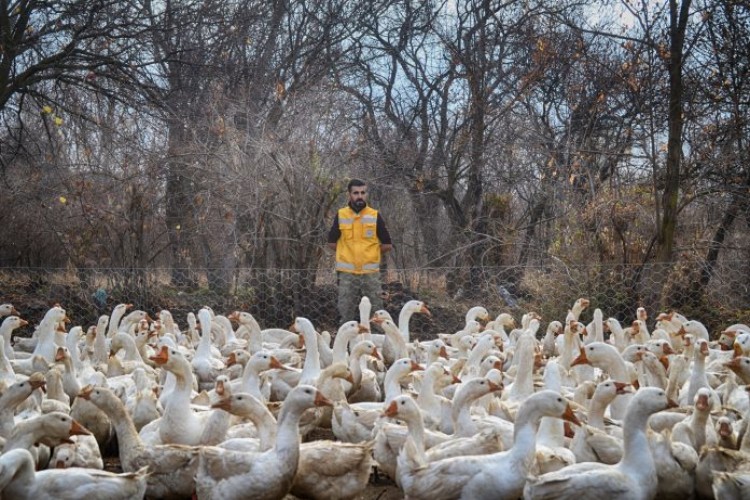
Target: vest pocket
(370, 231)
(347, 232)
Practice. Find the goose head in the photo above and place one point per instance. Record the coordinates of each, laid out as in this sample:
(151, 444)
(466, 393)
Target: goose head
(241, 404)
(549, 404)
(366, 347)
(417, 306)
(61, 426)
(403, 407)
(306, 396)
(7, 310)
(609, 389)
(13, 322)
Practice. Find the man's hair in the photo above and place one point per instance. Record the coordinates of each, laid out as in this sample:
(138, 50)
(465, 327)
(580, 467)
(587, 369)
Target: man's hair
(355, 182)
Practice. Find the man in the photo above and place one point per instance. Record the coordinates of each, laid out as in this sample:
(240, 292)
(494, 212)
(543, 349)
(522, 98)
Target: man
(359, 237)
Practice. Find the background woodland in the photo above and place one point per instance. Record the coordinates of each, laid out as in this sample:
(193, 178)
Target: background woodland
(536, 137)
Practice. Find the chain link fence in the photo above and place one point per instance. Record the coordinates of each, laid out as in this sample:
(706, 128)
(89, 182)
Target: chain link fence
(717, 296)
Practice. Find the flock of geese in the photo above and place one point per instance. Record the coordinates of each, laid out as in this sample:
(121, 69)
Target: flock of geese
(225, 409)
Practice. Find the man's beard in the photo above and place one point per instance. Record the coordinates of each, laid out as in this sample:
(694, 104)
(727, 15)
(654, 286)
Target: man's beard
(359, 205)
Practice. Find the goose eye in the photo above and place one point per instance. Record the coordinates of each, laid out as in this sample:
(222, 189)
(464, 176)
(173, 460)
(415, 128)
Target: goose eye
(403, 402)
(356, 413)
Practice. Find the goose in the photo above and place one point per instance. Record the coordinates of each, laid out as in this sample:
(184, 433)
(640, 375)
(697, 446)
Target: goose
(205, 365)
(354, 422)
(70, 379)
(697, 430)
(179, 424)
(346, 334)
(365, 308)
(8, 310)
(523, 386)
(731, 485)
(311, 368)
(330, 383)
(394, 338)
(7, 374)
(116, 318)
(654, 370)
(171, 467)
(45, 346)
(389, 437)
(230, 340)
(592, 442)
(260, 436)
(607, 358)
(675, 466)
(55, 392)
(404, 316)
(224, 474)
(9, 324)
(437, 409)
(365, 386)
(50, 428)
(617, 337)
(81, 451)
(14, 396)
(698, 377)
(549, 346)
(429, 446)
(726, 433)
(254, 366)
(500, 324)
(18, 479)
(92, 417)
(634, 477)
(498, 475)
(144, 407)
(471, 327)
(551, 450)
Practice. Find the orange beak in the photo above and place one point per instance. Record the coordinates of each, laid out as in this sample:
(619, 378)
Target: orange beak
(161, 357)
(77, 429)
(392, 410)
(321, 400)
(581, 359)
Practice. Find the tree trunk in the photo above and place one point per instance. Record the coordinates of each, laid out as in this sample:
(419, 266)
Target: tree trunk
(678, 23)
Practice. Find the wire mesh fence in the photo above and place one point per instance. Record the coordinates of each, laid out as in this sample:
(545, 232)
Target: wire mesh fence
(717, 296)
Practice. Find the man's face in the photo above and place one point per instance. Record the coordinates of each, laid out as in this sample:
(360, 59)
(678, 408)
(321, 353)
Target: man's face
(358, 197)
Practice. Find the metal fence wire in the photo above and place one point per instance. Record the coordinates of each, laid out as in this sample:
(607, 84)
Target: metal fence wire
(717, 296)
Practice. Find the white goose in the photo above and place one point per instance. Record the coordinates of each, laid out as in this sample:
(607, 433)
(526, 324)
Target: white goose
(205, 365)
(499, 475)
(14, 396)
(634, 477)
(171, 467)
(607, 358)
(224, 474)
(7, 374)
(18, 479)
(6, 330)
(45, 346)
(592, 442)
(179, 424)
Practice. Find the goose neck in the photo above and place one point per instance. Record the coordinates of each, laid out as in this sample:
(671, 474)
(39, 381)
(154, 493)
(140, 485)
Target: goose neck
(636, 450)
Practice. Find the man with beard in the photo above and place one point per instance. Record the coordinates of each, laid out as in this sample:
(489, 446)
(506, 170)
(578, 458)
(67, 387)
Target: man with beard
(359, 237)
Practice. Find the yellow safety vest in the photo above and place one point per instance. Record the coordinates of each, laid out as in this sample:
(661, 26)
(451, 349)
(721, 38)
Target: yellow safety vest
(358, 247)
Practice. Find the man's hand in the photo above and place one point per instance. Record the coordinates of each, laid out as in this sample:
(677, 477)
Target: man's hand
(385, 248)
(332, 246)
